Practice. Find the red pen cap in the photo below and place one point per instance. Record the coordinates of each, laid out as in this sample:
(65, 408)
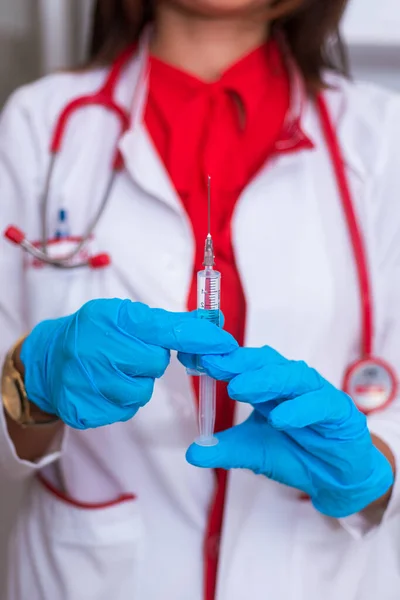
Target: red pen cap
(99, 261)
(14, 235)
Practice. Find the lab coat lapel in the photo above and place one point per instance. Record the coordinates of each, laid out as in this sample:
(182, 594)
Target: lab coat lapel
(146, 169)
(140, 156)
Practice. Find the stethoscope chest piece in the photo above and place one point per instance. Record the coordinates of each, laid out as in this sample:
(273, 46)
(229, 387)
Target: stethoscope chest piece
(371, 383)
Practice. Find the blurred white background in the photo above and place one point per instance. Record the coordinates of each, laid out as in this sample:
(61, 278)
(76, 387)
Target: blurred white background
(38, 36)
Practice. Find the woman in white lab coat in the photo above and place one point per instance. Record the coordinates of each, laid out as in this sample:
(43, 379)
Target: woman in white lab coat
(298, 499)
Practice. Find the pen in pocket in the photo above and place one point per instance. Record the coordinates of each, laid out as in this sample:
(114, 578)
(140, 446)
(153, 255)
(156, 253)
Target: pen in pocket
(62, 230)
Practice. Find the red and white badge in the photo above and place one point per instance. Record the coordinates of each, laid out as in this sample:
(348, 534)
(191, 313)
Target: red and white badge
(371, 383)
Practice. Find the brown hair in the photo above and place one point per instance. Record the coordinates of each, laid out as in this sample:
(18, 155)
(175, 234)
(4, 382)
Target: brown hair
(310, 28)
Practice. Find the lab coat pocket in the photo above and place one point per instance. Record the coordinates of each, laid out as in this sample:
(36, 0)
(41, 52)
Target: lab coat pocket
(68, 551)
(53, 292)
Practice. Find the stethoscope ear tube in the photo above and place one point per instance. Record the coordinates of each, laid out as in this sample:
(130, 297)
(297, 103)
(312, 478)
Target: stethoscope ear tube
(355, 233)
(371, 382)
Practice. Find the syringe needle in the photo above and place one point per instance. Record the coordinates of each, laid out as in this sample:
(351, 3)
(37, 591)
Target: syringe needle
(209, 246)
(209, 204)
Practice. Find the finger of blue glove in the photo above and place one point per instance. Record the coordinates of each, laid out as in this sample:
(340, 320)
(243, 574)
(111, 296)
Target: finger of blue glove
(135, 358)
(125, 391)
(275, 383)
(189, 361)
(83, 420)
(81, 409)
(224, 368)
(93, 332)
(327, 406)
(183, 332)
(237, 448)
(215, 457)
(116, 387)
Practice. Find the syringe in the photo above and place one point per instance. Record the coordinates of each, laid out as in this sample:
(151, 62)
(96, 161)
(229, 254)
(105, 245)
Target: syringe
(208, 306)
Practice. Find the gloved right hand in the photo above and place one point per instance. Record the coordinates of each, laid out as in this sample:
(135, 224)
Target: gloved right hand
(98, 366)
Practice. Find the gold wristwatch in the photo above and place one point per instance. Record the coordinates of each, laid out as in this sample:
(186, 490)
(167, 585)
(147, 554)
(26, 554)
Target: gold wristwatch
(14, 397)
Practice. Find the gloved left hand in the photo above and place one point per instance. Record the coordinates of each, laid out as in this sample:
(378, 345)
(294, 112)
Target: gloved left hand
(303, 432)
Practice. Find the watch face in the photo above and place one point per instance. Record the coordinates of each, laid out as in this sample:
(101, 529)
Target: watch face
(11, 398)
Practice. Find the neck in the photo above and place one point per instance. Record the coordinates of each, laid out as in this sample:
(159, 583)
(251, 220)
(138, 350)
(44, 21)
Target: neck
(204, 47)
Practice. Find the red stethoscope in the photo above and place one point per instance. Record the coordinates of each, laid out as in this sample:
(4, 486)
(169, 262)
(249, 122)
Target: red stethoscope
(370, 381)
(105, 98)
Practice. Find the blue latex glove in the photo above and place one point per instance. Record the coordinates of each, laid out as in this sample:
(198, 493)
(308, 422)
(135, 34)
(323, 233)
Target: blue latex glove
(304, 432)
(98, 366)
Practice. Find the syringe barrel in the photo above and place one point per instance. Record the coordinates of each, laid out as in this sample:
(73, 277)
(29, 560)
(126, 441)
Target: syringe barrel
(208, 298)
(208, 306)
(209, 294)
(207, 410)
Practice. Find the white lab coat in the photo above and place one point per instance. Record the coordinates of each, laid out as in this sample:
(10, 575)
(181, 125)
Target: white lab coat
(298, 273)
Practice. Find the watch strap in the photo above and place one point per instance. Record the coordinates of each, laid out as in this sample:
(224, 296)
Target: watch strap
(14, 397)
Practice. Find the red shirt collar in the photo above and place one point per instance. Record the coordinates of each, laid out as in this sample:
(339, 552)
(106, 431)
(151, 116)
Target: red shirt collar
(271, 94)
(253, 73)
(243, 78)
